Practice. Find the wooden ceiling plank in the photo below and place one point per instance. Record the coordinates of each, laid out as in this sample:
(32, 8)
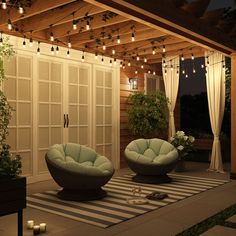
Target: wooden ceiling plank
(58, 16)
(37, 7)
(60, 31)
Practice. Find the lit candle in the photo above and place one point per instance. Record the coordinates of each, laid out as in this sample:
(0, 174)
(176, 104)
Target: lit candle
(36, 229)
(30, 224)
(42, 227)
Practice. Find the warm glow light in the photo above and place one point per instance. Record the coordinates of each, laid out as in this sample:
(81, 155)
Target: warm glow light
(183, 72)
(104, 46)
(154, 51)
(4, 4)
(194, 71)
(182, 57)
(52, 50)
(154, 73)
(149, 72)
(114, 61)
(96, 55)
(24, 43)
(110, 62)
(164, 48)
(186, 76)
(118, 39)
(69, 44)
(57, 50)
(192, 56)
(132, 37)
(68, 53)
(9, 25)
(145, 60)
(74, 25)
(136, 72)
(142, 66)
(113, 51)
(31, 42)
(129, 64)
(102, 60)
(82, 59)
(202, 66)
(87, 26)
(51, 37)
(137, 58)
(21, 10)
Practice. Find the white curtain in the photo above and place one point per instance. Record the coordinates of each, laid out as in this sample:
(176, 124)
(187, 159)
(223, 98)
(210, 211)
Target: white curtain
(170, 71)
(215, 81)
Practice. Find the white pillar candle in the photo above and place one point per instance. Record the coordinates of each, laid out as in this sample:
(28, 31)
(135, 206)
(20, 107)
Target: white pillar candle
(30, 224)
(42, 227)
(36, 229)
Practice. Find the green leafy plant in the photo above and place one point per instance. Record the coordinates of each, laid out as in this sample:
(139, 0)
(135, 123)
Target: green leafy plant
(183, 143)
(10, 167)
(147, 113)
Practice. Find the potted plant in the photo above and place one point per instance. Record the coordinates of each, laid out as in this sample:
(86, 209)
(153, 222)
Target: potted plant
(184, 145)
(12, 187)
(147, 114)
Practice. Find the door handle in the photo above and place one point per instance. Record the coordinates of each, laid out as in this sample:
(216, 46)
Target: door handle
(68, 121)
(64, 120)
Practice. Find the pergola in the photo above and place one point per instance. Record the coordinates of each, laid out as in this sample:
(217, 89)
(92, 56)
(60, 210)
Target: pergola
(129, 29)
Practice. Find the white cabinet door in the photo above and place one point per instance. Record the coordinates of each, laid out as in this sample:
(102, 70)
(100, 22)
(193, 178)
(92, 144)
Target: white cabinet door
(50, 108)
(18, 89)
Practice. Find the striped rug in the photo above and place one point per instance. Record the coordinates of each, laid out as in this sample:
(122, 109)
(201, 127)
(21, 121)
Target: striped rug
(114, 209)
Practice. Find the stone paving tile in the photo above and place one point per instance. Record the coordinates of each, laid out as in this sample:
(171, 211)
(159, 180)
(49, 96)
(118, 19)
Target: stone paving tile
(232, 219)
(220, 231)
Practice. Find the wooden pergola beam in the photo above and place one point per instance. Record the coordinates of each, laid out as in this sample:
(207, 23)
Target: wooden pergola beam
(58, 16)
(37, 7)
(164, 16)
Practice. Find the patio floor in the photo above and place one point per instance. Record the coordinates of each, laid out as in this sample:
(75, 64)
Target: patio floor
(168, 220)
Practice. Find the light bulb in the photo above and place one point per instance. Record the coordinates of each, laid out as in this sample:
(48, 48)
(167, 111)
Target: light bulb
(145, 60)
(96, 55)
(129, 64)
(153, 51)
(113, 51)
(142, 66)
(82, 59)
(24, 43)
(194, 71)
(164, 48)
(192, 56)
(136, 72)
(104, 46)
(182, 57)
(9, 25)
(68, 53)
(154, 73)
(69, 44)
(52, 50)
(132, 37)
(4, 4)
(110, 62)
(74, 25)
(114, 61)
(118, 39)
(57, 50)
(186, 76)
(202, 66)
(102, 60)
(51, 37)
(183, 72)
(31, 42)
(137, 58)
(87, 26)
(21, 10)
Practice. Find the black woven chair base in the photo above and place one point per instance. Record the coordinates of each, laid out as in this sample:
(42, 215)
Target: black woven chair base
(151, 179)
(81, 195)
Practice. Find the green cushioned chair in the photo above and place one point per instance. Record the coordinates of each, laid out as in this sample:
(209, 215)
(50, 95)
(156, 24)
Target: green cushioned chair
(79, 170)
(151, 159)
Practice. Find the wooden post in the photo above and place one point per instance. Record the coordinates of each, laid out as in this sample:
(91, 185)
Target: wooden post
(233, 116)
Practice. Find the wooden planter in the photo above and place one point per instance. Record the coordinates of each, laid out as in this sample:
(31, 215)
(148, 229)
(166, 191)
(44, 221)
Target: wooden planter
(13, 198)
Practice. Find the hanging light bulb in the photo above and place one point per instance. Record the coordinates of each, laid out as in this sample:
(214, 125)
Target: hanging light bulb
(183, 71)
(137, 58)
(24, 43)
(74, 25)
(113, 51)
(123, 66)
(96, 55)
(145, 60)
(52, 50)
(68, 53)
(182, 57)
(118, 39)
(21, 9)
(223, 66)
(82, 58)
(186, 76)
(154, 72)
(164, 63)
(132, 37)
(110, 62)
(171, 68)
(114, 61)
(51, 37)
(192, 56)
(102, 60)
(31, 41)
(163, 48)
(69, 44)
(208, 63)
(38, 49)
(177, 72)
(104, 46)
(87, 26)
(129, 63)
(153, 50)
(142, 66)
(9, 24)
(202, 66)
(194, 71)
(4, 4)
(57, 50)
(136, 71)
(1, 40)
(149, 72)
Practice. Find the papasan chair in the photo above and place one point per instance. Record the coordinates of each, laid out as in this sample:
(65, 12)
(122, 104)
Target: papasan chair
(79, 170)
(151, 160)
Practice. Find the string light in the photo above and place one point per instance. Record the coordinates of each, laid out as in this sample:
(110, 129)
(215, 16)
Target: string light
(118, 39)
(21, 9)
(145, 60)
(163, 48)
(164, 63)
(194, 71)
(153, 50)
(4, 4)
(74, 22)
(104, 46)
(129, 64)
(31, 41)
(9, 24)
(202, 66)
(183, 71)
(1, 40)
(132, 37)
(110, 62)
(68, 53)
(192, 56)
(149, 72)
(121, 64)
(171, 68)
(102, 60)
(87, 26)
(142, 66)
(24, 43)
(82, 58)
(136, 71)
(154, 73)
(186, 76)
(52, 50)
(182, 57)
(57, 50)
(137, 58)
(69, 44)
(51, 37)
(165, 72)
(38, 49)
(113, 51)
(114, 61)
(96, 55)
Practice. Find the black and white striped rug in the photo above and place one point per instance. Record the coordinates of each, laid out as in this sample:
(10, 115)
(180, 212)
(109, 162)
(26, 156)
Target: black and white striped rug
(114, 209)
